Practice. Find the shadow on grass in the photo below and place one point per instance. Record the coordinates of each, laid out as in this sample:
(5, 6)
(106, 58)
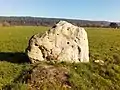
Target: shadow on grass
(16, 57)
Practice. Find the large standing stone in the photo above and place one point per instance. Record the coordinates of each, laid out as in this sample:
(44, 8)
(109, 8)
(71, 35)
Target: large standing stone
(63, 42)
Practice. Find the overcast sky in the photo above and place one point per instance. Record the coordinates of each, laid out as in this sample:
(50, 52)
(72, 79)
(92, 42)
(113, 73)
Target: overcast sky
(81, 9)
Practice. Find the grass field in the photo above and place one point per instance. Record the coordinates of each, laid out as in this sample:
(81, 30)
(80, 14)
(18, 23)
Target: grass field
(104, 45)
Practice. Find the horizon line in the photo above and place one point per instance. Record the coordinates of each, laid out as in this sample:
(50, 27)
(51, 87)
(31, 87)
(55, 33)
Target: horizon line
(57, 18)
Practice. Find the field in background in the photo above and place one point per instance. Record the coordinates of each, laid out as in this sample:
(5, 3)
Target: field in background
(104, 45)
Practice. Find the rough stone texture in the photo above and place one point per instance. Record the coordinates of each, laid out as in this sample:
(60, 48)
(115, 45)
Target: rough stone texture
(63, 42)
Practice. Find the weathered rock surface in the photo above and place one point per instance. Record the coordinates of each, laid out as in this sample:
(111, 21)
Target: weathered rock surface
(63, 42)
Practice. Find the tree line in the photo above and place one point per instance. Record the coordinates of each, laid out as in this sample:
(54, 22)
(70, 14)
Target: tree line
(37, 21)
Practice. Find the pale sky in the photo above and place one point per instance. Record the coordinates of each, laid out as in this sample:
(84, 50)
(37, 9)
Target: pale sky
(81, 9)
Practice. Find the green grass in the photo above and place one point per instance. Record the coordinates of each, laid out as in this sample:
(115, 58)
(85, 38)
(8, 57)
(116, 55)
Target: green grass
(104, 45)
(103, 42)
(13, 42)
(15, 39)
